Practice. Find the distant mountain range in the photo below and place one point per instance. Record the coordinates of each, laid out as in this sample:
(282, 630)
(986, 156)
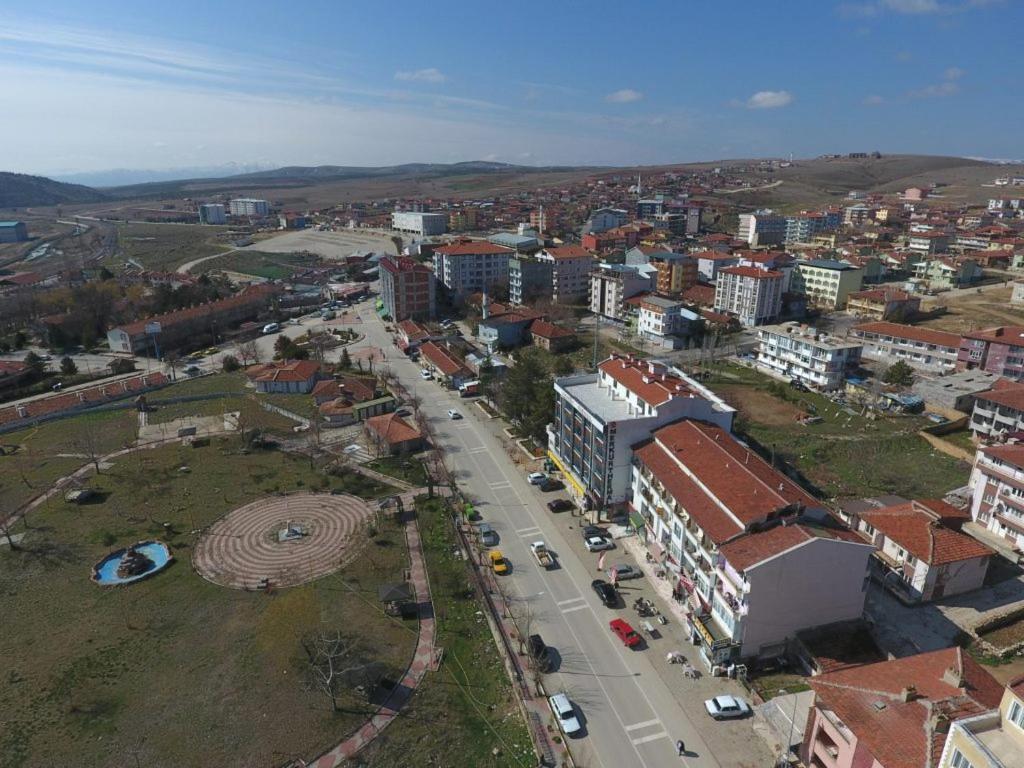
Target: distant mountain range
(18, 190)
(119, 177)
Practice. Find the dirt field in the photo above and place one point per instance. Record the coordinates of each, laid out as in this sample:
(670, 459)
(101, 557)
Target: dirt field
(760, 406)
(330, 245)
(970, 310)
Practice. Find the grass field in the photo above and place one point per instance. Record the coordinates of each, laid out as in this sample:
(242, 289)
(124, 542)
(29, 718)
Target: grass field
(273, 266)
(466, 709)
(167, 246)
(845, 456)
(175, 671)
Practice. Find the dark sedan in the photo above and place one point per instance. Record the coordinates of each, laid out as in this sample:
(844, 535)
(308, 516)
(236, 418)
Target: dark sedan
(609, 596)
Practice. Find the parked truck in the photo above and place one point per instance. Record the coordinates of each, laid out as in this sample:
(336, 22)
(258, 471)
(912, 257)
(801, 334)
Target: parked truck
(544, 558)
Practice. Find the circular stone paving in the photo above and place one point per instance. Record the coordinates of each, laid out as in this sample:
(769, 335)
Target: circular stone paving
(245, 547)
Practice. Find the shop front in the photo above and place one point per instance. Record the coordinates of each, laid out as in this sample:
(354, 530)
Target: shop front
(716, 647)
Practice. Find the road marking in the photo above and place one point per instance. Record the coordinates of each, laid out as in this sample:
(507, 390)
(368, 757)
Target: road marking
(499, 484)
(576, 608)
(478, 450)
(644, 739)
(570, 600)
(644, 724)
(531, 531)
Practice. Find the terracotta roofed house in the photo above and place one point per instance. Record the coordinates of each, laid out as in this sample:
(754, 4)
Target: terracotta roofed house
(392, 434)
(292, 376)
(999, 411)
(924, 349)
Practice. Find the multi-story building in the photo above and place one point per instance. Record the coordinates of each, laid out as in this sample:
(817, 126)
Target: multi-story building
(212, 213)
(826, 282)
(998, 411)
(945, 274)
(651, 207)
(248, 206)
(600, 416)
(471, 266)
(407, 288)
(763, 227)
(753, 295)
(684, 220)
(805, 226)
(675, 271)
(929, 243)
(798, 352)
(529, 280)
(710, 263)
(611, 285)
(883, 304)
(920, 348)
(666, 321)
(897, 713)
(759, 558)
(419, 223)
(604, 219)
(857, 215)
(570, 276)
(996, 350)
(462, 219)
(994, 739)
(997, 483)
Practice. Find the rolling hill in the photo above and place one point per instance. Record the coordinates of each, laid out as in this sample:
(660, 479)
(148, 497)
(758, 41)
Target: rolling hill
(18, 190)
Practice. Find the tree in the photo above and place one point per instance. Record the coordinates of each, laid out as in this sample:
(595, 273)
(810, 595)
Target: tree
(528, 395)
(67, 366)
(331, 665)
(36, 365)
(249, 353)
(230, 363)
(346, 361)
(88, 443)
(122, 365)
(899, 373)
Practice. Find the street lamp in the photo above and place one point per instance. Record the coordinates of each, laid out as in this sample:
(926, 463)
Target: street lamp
(787, 747)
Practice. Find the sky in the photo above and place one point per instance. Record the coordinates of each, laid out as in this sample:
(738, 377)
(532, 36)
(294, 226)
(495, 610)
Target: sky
(102, 85)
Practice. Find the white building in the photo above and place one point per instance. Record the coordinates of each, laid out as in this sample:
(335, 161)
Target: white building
(826, 282)
(798, 352)
(471, 266)
(418, 223)
(665, 321)
(212, 213)
(920, 348)
(612, 284)
(763, 227)
(570, 276)
(752, 294)
(604, 219)
(997, 481)
(248, 206)
(600, 416)
(757, 557)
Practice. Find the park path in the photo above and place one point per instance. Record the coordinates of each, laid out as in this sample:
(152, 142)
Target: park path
(423, 658)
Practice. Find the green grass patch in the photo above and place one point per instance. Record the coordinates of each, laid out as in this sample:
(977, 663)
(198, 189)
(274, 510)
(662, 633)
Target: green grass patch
(407, 469)
(272, 266)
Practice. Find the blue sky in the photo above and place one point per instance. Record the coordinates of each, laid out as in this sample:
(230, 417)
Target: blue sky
(91, 86)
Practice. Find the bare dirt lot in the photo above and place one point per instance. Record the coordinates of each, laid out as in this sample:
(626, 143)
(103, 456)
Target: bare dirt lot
(761, 406)
(969, 310)
(330, 245)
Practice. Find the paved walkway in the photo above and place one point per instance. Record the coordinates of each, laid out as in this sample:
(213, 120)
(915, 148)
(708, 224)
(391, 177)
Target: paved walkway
(422, 659)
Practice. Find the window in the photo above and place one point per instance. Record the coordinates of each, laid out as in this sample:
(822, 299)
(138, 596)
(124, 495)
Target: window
(1016, 714)
(959, 761)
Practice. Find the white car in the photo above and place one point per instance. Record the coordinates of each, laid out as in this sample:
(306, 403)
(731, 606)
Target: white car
(597, 543)
(565, 714)
(725, 707)
(536, 478)
(425, 374)
(453, 414)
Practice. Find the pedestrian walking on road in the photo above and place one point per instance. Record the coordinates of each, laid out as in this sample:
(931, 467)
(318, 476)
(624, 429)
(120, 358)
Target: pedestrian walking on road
(680, 748)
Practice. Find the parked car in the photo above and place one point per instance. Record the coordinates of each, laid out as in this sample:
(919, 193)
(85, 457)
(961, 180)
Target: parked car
(536, 478)
(551, 484)
(625, 633)
(598, 543)
(488, 536)
(454, 415)
(624, 572)
(498, 562)
(560, 505)
(425, 374)
(539, 653)
(608, 594)
(80, 495)
(565, 714)
(193, 370)
(596, 530)
(271, 328)
(726, 707)
(798, 385)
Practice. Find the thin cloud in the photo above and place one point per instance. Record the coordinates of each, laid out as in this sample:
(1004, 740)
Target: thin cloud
(948, 87)
(624, 96)
(911, 7)
(769, 100)
(873, 100)
(954, 73)
(428, 75)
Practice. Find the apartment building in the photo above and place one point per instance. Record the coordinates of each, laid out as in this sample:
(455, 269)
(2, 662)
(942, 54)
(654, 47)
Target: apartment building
(764, 227)
(799, 352)
(921, 348)
(419, 223)
(681, 220)
(666, 322)
(827, 283)
(995, 350)
(997, 501)
(529, 280)
(604, 219)
(612, 284)
(675, 271)
(570, 271)
(710, 263)
(857, 215)
(994, 739)
(407, 288)
(212, 213)
(945, 274)
(758, 558)
(804, 227)
(998, 411)
(752, 294)
(248, 206)
(898, 713)
(471, 266)
(600, 416)
(883, 304)
(928, 243)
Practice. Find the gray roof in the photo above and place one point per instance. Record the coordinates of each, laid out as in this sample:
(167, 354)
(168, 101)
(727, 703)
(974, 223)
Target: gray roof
(826, 264)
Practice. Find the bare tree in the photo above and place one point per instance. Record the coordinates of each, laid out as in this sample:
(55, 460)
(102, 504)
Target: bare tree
(332, 665)
(315, 441)
(173, 359)
(88, 443)
(6, 530)
(249, 352)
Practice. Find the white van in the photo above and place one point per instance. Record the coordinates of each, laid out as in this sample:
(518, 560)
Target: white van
(271, 328)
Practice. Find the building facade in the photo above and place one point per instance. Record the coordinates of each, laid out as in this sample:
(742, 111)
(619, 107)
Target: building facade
(883, 304)
(419, 223)
(248, 206)
(13, 232)
(826, 283)
(997, 482)
(529, 280)
(600, 416)
(945, 274)
(212, 213)
(921, 348)
(998, 411)
(994, 739)
(666, 322)
(472, 266)
(995, 350)
(762, 228)
(801, 353)
(611, 285)
(753, 295)
(407, 289)
(570, 271)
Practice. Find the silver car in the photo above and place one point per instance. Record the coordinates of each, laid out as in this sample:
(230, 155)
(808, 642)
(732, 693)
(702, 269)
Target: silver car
(726, 707)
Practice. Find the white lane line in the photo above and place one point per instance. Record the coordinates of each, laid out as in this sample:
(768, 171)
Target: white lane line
(575, 608)
(529, 531)
(644, 739)
(644, 724)
(500, 484)
(478, 450)
(569, 600)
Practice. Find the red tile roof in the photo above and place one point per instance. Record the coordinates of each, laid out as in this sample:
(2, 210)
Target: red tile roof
(443, 360)
(1012, 453)
(252, 294)
(913, 333)
(68, 401)
(547, 330)
(754, 272)
(392, 428)
(358, 389)
(916, 526)
(1009, 394)
(291, 370)
(867, 700)
(472, 247)
(649, 381)
(396, 264)
(569, 252)
(881, 294)
(413, 330)
(1012, 335)
(701, 293)
(12, 367)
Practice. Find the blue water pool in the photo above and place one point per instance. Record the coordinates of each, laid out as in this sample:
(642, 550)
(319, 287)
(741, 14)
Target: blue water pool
(105, 571)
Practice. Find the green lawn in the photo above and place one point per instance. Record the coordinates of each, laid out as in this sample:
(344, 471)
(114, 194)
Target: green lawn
(175, 671)
(237, 397)
(409, 470)
(466, 709)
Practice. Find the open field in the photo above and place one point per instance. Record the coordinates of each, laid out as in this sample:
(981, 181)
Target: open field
(466, 709)
(330, 245)
(167, 246)
(175, 671)
(970, 310)
(845, 456)
(272, 266)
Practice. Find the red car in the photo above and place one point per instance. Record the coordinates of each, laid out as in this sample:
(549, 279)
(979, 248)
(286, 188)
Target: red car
(625, 633)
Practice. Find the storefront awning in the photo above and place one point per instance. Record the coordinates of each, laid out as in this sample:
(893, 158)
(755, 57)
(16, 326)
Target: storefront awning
(637, 520)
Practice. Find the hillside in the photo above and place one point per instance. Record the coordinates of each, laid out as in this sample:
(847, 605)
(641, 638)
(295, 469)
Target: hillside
(18, 190)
